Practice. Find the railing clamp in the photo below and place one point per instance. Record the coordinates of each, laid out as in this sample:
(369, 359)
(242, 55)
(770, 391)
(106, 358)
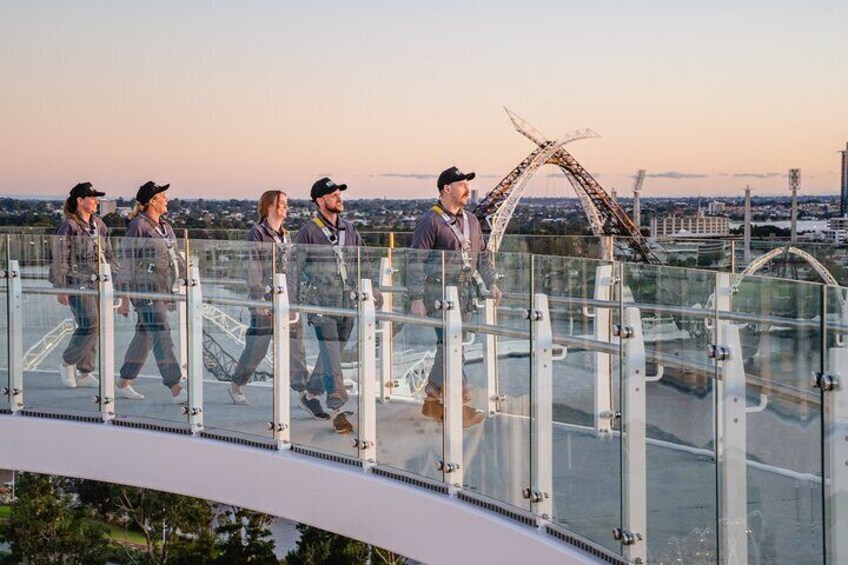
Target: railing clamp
(7, 391)
(535, 496)
(278, 427)
(443, 305)
(102, 400)
(193, 411)
(447, 467)
(825, 381)
(533, 315)
(498, 398)
(718, 352)
(363, 443)
(626, 537)
(622, 331)
(612, 415)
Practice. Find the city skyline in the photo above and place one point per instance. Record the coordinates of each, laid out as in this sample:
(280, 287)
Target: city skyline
(223, 100)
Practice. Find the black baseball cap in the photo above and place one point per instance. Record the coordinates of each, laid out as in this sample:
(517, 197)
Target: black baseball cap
(324, 186)
(452, 175)
(148, 190)
(84, 190)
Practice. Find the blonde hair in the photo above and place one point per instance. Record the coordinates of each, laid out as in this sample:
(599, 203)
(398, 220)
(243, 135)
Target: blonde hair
(139, 208)
(268, 199)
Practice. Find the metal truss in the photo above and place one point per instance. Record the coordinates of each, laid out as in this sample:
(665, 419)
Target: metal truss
(605, 215)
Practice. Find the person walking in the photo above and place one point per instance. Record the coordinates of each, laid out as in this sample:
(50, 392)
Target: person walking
(273, 209)
(78, 248)
(327, 280)
(447, 226)
(152, 264)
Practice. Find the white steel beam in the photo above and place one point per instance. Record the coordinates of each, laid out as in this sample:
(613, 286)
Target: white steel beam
(540, 493)
(367, 337)
(452, 463)
(385, 351)
(106, 328)
(15, 329)
(602, 398)
(281, 418)
(836, 448)
(490, 357)
(194, 347)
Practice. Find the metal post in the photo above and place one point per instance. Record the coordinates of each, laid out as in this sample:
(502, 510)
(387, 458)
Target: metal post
(106, 305)
(541, 421)
(194, 315)
(731, 432)
(452, 464)
(281, 423)
(836, 449)
(603, 399)
(182, 318)
(15, 329)
(367, 326)
(634, 471)
(490, 357)
(386, 383)
(732, 255)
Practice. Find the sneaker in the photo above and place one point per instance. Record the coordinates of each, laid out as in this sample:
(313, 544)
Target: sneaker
(238, 397)
(341, 424)
(180, 398)
(68, 375)
(128, 392)
(87, 380)
(313, 407)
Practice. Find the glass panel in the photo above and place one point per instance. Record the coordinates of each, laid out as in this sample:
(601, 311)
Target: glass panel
(238, 370)
(676, 310)
(409, 429)
(779, 325)
(497, 449)
(324, 283)
(60, 331)
(150, 341)
(585, 463)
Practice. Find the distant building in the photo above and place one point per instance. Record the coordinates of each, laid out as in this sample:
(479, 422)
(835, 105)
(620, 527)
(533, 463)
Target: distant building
(690, 226)
(108, 207)
(715, 208)
(843, 199)
(474, 199)
(837, 230)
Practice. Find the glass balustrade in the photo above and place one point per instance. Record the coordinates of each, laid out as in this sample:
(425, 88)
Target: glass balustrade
(663, 413)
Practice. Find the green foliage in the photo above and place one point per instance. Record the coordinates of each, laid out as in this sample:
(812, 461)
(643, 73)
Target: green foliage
(47, 526)
(319, 547)
(244, 537)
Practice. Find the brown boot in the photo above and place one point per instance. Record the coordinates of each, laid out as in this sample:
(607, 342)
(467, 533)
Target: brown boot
(471, 416)
(433, 409)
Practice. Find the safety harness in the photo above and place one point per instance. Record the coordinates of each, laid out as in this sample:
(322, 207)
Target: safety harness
(337, 241)
(170, 244)
(464, 239)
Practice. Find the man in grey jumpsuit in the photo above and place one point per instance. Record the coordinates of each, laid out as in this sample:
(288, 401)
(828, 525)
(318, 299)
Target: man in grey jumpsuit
(327, 276)
(446, 226)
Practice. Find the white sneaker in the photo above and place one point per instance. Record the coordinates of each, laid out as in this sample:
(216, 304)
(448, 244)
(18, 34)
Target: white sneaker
(180, 398)
(128, 392)
(68, 375)
(87, 380)
(238, 397)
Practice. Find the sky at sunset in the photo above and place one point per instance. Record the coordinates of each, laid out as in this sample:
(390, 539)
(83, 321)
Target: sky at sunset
(227, 99)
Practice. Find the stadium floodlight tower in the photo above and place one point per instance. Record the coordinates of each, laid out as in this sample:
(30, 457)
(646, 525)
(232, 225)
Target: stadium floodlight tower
(794, 184)
(637, 201)
(605, 215)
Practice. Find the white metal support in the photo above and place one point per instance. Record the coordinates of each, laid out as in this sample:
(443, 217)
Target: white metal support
(604, 413)
(106, 328)
(732, 449)
(194, 315)
(452, 464)
(490, 357)
(15, 329)
(633, 413)
(367, 326)
(182, 318)
(385, 353)
(836, 450)
(281, 422)
(541, 423)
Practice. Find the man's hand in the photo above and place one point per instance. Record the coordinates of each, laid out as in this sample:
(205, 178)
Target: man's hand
(416, 307)
(62, 299)
(124, 307)
(497, 295)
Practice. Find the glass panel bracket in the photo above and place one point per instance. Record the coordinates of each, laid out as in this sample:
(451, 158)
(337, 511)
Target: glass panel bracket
(280, 425)
(106, 329)
(541, 430)
(366, 442)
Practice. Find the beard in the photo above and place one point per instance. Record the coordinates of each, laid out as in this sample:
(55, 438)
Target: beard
(336, 208)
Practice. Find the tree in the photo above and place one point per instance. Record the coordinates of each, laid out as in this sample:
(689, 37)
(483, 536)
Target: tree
(244, 537)
(47, 526)
(319, 547)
